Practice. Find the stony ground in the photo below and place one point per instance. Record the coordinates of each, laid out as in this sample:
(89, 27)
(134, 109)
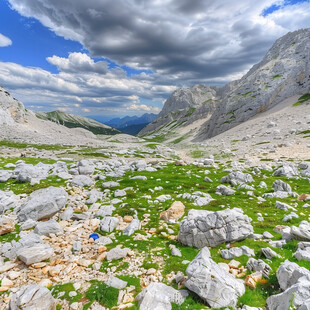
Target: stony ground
(101, 229)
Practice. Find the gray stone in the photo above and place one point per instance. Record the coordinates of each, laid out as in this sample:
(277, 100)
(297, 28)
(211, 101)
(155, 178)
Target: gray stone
(43, 203)
(67, 214)
(283, 206)
(82, 180)
(105, 211)
(94, 195)
(139, 177)
(47, 228)
(103, 240)
(303, 251)
(86, 167)
(286, 171)
(117, 253)
(5, 175)
(116, 283)
(108, 223)
(289, 273)
(132, 227)
(110, 184)
(208, 180)
(28, 224)
(290, 216)
(267, 235)
(7, 200)
(176, 252)
(77, 246)
(269, 254)
(259, 265)
(9, 249)
(35, 254)
(302, 232)
(237, 252)
(158, 296)
(206, 228)
(32, 297)
(213, 284)
(224, 190)
(119, 193)
(237, 177)
(281, 186)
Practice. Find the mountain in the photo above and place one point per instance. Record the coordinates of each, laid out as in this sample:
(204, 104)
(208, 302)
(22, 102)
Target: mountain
(132, 124)
(76, 121)
(202, 112)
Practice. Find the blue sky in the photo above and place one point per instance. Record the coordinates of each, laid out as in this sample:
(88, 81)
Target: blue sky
(126, 57)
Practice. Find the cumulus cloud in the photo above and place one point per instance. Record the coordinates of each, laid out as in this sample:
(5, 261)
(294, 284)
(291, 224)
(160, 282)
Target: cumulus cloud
(5, 41)
(143, 107)
(182, 42)
(207, 39)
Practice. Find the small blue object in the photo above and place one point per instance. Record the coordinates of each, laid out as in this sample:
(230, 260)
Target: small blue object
(94, 236)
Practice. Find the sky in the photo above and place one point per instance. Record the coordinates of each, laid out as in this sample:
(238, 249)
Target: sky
(125, 57)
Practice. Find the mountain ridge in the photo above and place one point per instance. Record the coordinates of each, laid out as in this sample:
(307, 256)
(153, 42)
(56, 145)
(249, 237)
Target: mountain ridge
(282, 73)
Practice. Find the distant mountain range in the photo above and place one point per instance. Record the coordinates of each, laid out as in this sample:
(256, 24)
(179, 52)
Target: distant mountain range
(129, 124)
(76, 121)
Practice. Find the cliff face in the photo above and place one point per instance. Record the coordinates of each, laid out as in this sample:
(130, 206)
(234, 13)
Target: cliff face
(11, 110)
(283, 73)
(184, 107)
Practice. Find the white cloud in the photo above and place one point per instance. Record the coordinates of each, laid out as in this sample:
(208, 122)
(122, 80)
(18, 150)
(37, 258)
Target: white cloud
(183, 42)
(5, 41)
(143, 107)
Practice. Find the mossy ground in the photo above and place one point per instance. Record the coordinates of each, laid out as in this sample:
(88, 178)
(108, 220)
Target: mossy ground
(176, 180)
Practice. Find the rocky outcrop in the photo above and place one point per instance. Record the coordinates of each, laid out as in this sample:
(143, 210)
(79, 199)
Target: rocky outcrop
(32, 297)
(217, 287)
(158, 296)
(11, 110)
(43, 203)
(283, 73)
(206, 228)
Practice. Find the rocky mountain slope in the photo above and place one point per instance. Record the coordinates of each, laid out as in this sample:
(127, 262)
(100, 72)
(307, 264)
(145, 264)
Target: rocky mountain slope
(76, 121)
(283, 73)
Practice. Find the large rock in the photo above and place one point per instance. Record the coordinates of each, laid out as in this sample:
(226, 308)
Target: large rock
(258, 265)
(35, 254)
(206, 228)
(7, 225)
(224, 190)
(287, 170)
(43, 204)
(132, 227)
(289, 273)
(281, 186)
(302, 232)
(32, 297)
(86, 167)
(174, 213)
(108, 223)
(303, 251)
(117, 253)
(5, 175)
(82, 180)
(7, 200)
(158, 296)
(213, 284)
(237, 177)
(30, 173)
(237, 252)
(47, 228)
(10, 249)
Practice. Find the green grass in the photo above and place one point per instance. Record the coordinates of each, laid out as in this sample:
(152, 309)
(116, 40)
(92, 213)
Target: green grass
(18, 145)
(277, 76)
(197, 153)
(66, 288)
(190, 111)
(302, 99)
(104, 294)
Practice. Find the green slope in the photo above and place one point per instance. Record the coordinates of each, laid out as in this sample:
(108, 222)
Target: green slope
(77, 121)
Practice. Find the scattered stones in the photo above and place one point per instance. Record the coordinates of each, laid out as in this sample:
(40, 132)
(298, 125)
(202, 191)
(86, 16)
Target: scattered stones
(237, 177)
(117, 253)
